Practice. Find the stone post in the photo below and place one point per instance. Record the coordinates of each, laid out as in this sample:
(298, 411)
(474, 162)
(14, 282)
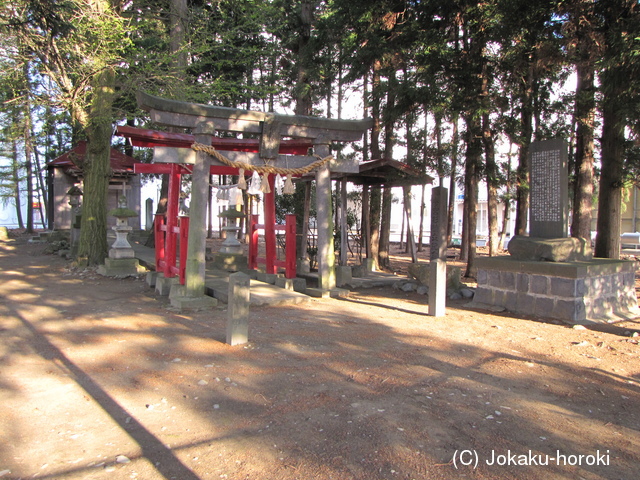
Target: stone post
(238, 309)
(326, 255)
(191, 295)
(148, 214)
(438, 245)
(196, 250)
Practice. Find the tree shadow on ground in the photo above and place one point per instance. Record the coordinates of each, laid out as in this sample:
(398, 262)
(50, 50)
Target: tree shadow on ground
(333, 389)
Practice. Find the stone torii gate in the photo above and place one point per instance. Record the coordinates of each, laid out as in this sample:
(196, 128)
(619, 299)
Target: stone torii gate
(205, 120)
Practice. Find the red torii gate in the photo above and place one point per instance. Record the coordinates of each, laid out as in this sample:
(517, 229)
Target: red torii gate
(173, 225)
(204, 121)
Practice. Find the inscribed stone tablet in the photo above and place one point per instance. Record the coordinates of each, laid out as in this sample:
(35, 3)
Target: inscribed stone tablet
(549, 202)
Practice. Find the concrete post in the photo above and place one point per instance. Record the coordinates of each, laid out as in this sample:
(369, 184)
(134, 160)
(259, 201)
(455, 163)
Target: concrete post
(326, 255)
(196, 250)
(238, 309)
(438, 255)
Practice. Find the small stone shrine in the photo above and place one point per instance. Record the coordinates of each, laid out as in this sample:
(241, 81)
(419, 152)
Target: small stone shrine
(548, 274)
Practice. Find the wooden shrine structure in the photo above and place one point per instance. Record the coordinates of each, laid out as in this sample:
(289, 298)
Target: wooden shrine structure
(273, 154)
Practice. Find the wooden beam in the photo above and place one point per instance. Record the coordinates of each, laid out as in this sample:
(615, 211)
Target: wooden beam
(188, 156)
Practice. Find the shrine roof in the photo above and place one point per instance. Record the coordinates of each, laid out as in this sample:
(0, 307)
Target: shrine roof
(385, 171)
(71, 161)
(141, 137)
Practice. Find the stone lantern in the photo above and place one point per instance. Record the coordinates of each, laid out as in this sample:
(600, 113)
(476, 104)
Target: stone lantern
(231, 243)
(231, 256)
(121, 261)
(121, 248)
(75, 194)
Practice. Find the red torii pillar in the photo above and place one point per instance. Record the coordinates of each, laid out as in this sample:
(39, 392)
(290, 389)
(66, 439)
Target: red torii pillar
(175, 171)
(270, 227)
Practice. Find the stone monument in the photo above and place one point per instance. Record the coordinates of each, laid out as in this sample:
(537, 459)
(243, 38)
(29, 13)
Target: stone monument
(550, 275)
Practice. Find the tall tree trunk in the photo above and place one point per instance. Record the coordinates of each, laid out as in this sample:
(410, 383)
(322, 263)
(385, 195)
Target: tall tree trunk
(374, 205)
(522, 172)
(376, 153)
(385, 231)
(473, 160)
(389, 143)
(178, 25)
(423, 207)
(411, 243)
(584, 118)
(507, 203)
(492, 184)
(610, 197)
(304, 101)
(92, 248)
(28, 148)
(455, 138)
(15, 173)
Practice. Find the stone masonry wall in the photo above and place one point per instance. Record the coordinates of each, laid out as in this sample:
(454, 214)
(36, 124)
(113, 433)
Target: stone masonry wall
(582, 294)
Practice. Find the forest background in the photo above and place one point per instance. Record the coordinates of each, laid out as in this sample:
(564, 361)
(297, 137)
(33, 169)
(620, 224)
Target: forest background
(447, 81)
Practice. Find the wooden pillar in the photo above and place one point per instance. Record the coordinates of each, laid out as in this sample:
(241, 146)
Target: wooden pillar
(326, 255)
(196, 249)
(270, 226)
(344, 228)
(366, 221)
(303, 255)
(173, 207)
(407, 208)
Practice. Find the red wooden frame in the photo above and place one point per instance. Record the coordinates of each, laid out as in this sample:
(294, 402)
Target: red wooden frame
(271, 264)
(166, 261)
(170, 228)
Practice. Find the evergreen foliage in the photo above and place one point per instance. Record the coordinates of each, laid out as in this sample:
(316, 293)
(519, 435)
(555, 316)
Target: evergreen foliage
(423, 68)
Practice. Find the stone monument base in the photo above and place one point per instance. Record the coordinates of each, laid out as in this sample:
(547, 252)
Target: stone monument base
(180, 300)
(295, 284)
(421, 272)
(322, 293)
(567, 249)
(121, 267)
(230, 262)
(595, 291)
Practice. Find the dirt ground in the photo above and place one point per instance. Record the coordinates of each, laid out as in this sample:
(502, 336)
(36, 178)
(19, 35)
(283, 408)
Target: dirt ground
(100, 379)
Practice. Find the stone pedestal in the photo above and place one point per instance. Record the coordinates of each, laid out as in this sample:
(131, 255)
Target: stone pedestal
(421, 272)
(550, 249)
(269, 278)
(230, 262)
(343, 276)
(163, 284)
(302, 265)
(599, 290)
(180, 299)
(294, 284)
(121, 261)
(121, 267)
(327, 293)
(231, 245)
